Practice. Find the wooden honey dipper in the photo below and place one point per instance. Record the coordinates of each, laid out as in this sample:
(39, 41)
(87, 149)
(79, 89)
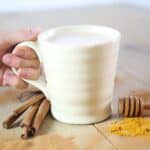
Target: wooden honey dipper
(132, 106)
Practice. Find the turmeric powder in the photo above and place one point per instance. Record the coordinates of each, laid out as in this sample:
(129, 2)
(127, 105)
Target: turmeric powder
(131, 127)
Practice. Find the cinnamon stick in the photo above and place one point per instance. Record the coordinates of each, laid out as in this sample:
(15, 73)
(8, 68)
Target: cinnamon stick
(28, 119)
(10, 120)
(29, 115)
(20, 110)
(34, 99)
(27, 94)
(27, 132)
(24, 134)
(40, 116)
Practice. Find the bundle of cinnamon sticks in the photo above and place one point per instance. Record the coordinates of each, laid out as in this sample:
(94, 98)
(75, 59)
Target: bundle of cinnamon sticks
(34, 111)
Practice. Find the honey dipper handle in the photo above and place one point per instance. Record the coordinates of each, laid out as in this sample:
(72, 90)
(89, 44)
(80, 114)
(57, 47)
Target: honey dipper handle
(147, 106)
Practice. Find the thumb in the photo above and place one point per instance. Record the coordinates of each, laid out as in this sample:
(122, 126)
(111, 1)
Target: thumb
(8, 40)
(22, 35)
(12, 38)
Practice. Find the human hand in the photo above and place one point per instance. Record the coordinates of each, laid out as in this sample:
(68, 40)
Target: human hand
(22, 58)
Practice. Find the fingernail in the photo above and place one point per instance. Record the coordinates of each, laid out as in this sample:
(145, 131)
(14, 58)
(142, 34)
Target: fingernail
(6, 59)
(7, 77)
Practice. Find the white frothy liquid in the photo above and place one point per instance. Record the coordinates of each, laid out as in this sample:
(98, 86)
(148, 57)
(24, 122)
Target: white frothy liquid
(77, 38)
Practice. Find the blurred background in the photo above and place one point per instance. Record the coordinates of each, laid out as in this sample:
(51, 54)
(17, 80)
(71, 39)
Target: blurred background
(131, 17)
(25, 5)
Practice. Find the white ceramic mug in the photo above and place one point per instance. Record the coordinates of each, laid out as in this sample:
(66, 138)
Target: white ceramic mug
(79, 79)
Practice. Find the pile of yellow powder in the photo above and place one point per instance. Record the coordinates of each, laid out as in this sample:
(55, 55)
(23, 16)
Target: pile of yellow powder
(131, 127)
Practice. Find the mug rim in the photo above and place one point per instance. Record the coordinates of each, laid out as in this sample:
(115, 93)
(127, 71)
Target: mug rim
(112, 33)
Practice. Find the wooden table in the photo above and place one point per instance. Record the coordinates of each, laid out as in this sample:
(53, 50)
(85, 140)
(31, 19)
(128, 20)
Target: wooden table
(133, 74)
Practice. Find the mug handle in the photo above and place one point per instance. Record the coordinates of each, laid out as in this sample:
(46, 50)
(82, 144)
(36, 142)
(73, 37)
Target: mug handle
(41, 82)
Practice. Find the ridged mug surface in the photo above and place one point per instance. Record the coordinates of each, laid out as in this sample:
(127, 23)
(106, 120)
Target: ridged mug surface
(80, 80)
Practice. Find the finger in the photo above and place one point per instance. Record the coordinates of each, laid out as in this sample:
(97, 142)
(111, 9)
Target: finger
(24, 52)
(17, 62)
(29, 73)
(9, 78)
(22, 35)
(12, 38)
